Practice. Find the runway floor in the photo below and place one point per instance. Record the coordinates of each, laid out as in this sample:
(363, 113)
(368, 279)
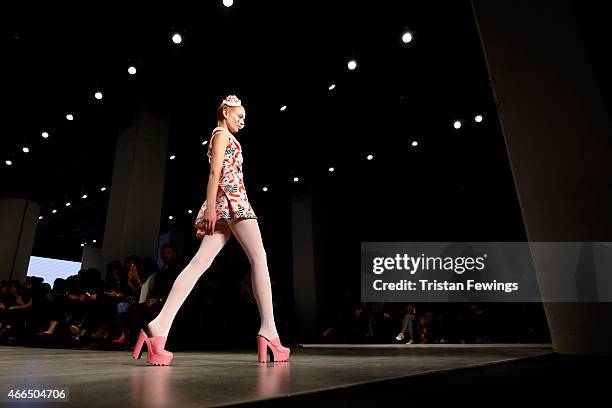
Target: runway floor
(216, 378)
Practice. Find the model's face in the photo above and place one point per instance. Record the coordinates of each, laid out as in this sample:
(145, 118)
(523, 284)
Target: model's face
(234, 117)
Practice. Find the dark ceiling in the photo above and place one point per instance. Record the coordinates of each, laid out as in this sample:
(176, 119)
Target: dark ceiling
(269, 54)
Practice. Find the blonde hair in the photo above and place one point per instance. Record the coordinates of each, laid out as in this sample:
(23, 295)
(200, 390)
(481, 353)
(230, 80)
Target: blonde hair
(222, 106)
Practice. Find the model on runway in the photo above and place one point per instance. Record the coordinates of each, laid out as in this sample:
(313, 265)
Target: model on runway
(215, 224)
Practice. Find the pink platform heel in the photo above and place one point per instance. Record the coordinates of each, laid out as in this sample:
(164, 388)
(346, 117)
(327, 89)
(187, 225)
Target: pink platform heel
(156, 355)
(279, 352)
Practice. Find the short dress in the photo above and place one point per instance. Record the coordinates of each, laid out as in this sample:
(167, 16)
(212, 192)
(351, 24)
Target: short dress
(231, 201)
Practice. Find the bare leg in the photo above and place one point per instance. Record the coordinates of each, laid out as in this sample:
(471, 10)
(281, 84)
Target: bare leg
(248, 235)
(52, 327)
(209, 248)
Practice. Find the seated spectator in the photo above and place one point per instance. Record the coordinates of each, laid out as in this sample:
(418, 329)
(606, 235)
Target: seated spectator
(142, 313)
(56, 307)
(408, 325)
(114, 293)
(132, 287)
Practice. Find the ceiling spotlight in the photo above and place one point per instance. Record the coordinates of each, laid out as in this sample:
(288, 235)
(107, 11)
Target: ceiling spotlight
(40, 217)
(84, 196)
(54, 211)
(26, 150)
(103, 189)
(82, 245)
(94, 241)
(9, 163)
(176, 38)
(204, 142)
(415, 143)
(228, 3)
(332, 86)
(45, 135)
(172, 157)
(283, 108)
(98, 95)
(331, 169)
(170, 217)
(69, 117)
(457, 124)
(478, 118)
(265, 189)
(189, 212)
(407, 37)
(352, 64)
(67, 204)
(296, 179)
(370, 157)
(132, 70)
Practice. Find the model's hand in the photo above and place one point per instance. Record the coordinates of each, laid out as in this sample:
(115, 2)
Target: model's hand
(210, 219)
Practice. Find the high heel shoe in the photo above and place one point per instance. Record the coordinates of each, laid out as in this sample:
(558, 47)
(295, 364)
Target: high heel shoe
(279, 352)
(156, 355)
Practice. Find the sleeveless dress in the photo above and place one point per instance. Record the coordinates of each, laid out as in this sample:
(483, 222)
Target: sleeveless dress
(231, 201)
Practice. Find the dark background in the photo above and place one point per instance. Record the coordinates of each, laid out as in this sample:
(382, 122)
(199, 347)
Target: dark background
(456, 185)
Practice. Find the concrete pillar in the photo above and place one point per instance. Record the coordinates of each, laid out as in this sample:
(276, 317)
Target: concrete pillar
(18, 222)
(557, 134)
(136, 192)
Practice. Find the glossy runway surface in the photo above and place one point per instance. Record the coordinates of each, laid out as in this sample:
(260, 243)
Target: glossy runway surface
(215, 378)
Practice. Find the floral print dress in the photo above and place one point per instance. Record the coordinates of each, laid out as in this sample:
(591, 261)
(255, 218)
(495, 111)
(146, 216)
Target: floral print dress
(231, 201)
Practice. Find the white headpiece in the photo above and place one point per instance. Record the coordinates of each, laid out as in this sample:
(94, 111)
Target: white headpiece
(231, 100)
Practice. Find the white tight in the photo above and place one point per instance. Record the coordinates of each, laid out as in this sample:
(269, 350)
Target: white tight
(248, 235)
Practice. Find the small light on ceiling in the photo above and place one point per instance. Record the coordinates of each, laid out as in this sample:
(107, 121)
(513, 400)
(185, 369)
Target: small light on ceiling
(132, 70)
(352, 64)
(407, 37)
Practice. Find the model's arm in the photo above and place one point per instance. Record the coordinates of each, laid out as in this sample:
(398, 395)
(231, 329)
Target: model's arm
(220, 142)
